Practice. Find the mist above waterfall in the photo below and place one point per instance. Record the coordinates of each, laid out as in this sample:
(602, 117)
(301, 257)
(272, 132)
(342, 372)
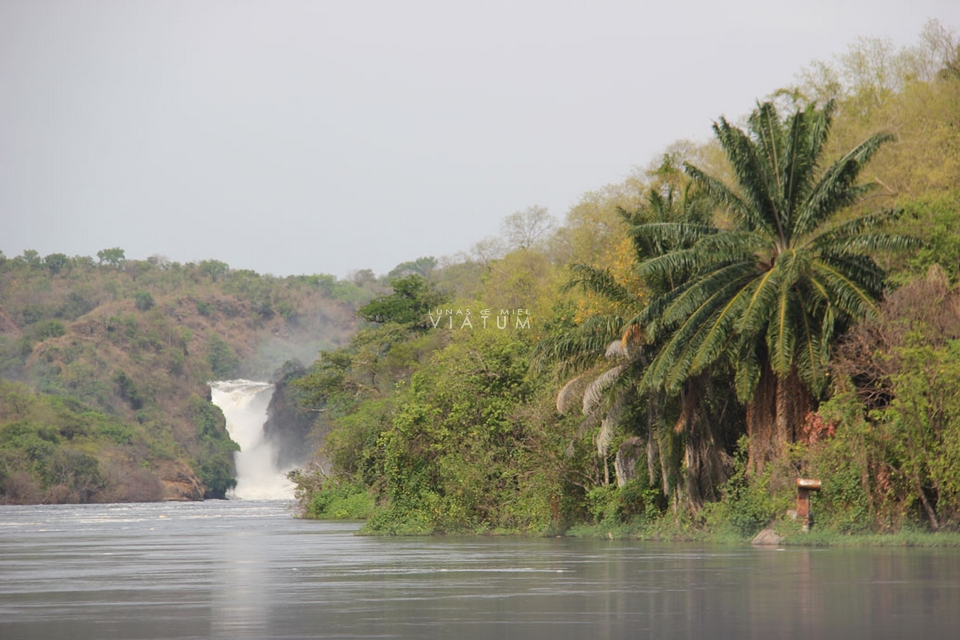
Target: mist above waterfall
(244, 404)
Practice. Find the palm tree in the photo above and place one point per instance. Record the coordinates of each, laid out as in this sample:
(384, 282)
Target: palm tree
(610, 356)
(767, 295)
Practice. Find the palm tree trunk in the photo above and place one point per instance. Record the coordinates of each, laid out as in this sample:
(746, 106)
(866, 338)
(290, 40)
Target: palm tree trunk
(761, 417)
(779, 407)
(701, 460)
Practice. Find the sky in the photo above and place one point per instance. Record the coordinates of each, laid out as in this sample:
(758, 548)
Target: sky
(301, 137)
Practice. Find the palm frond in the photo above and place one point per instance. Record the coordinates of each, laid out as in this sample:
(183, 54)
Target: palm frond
(599, 282)
(844, 293)
(617, 350)
(609, 428)
(754, 178)
(747, 368)
(595, 390)
(570, 393)
(782, 333)
(589, 338)
(836, 190)
(722, 195)
(810, 361)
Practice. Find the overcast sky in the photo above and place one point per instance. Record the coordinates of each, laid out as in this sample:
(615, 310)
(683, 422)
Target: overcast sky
(327, 137)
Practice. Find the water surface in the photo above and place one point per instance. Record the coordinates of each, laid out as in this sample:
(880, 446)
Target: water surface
(238, 570)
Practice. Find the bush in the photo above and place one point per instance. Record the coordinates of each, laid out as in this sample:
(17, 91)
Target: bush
(143, 300)
(322, 497)
(634, 501)
(222, 359)
(342, 502)
(749, 501)
(397, 520)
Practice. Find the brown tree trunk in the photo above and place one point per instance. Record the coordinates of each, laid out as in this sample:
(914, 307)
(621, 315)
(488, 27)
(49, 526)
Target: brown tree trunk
(778, 408)
(761, 415)
(793, 404)
(702, 471)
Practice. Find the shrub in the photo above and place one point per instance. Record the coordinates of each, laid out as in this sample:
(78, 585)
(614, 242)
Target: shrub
(143, 300)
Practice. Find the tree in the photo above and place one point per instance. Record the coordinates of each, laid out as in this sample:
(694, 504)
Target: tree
(662, 423)
(423, 266)
(30, 257)
(221, 357)
(113, 257)
(143, 300)
(215, 269)
(768, 295)
(412, 299)
(56, 262)
(523, 229)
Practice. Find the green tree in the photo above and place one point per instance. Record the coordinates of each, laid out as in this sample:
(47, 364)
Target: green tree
(215, 269)
(457, 455)
(56, 262)
(412, 300)
(221, 357)
(423, 266)
(668, 423)
(143, 300)
(769, 294)
(113, 257)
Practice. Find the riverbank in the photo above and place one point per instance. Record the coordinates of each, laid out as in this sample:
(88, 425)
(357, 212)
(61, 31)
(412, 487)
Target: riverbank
(792, 536)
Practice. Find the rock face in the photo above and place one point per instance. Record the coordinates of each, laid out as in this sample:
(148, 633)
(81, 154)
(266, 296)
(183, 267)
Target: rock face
(180, 484)
(291, 431)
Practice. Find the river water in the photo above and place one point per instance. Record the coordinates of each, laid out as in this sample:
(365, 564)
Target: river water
(238, 570)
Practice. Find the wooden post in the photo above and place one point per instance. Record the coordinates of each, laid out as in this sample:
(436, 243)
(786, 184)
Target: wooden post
(805, 486)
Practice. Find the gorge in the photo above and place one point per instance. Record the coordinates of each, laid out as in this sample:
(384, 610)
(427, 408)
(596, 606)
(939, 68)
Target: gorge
(260, 475)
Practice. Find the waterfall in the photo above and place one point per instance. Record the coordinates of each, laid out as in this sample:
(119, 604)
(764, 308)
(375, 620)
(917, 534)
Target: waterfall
(244, 404)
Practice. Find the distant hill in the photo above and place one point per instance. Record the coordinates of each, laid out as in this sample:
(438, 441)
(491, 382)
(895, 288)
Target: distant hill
(104, 366)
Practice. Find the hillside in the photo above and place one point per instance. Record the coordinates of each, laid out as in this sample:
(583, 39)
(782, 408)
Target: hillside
(105, 368)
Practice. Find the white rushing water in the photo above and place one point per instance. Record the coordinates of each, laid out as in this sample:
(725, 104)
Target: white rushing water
(244, 404)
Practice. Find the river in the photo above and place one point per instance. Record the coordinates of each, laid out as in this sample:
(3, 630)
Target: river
(237, 570)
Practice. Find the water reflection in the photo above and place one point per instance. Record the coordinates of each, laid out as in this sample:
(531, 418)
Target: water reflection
(248, 570)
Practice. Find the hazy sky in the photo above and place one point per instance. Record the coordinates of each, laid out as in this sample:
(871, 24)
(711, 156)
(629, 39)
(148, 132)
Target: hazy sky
(298, 137)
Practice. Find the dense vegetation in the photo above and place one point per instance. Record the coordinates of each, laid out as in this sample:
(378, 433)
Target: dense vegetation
(105, 365)
(777, 303)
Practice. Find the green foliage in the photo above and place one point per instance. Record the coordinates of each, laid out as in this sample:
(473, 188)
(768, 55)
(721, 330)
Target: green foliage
(34, 459)
(920, 428)
(76, 304)
(214, 269)
(143, 300)
(935, 219)
(222, 359)
(748, 503)
(128, 390)
(635, 501)
(114, 257)
(454, 455)
(423, 267)
(47, 329)
(341, 501)
(214, 463)
(412, 299)
(56, 262)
